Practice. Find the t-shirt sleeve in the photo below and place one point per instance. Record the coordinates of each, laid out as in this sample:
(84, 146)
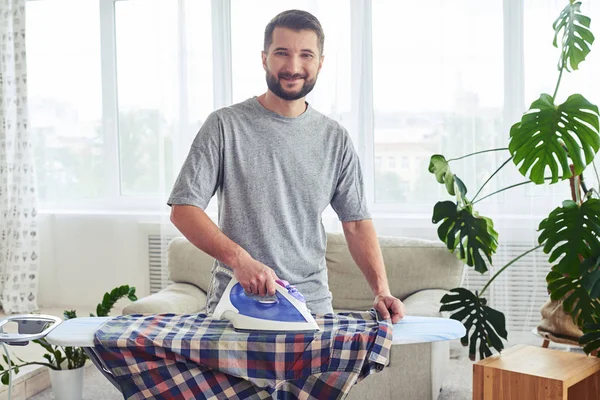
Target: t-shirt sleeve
(200, 174)
(349, 200)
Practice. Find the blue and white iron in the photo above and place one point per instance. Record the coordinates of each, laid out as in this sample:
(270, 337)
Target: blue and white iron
(284, 312)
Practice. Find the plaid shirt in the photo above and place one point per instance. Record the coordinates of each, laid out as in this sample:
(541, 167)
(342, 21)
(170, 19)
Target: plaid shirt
(192, 356)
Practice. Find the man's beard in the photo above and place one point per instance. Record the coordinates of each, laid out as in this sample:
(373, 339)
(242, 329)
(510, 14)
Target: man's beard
(274, 85)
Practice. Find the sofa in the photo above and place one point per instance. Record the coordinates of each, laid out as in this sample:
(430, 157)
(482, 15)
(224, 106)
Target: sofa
(419, 272)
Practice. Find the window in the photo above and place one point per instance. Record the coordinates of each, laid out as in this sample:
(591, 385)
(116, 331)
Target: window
(541, 75)
(405, 162)
(65, 105)
(164, 81)
(392, 162)
(432, 91)
(115, 106)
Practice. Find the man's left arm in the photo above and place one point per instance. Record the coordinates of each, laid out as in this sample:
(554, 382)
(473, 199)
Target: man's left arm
(365, 250)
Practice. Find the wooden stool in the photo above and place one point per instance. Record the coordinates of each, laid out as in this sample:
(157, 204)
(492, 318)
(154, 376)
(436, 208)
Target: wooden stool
(535, 373)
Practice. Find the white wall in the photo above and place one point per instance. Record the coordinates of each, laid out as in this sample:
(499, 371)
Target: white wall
(84, 256)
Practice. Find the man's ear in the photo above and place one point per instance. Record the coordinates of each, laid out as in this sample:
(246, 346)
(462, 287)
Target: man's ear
(321, 62)
(264, 59)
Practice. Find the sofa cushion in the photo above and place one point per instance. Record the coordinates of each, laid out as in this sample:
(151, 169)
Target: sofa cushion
(178, 298)
(411, 265)
(187, 263)
(425, 303)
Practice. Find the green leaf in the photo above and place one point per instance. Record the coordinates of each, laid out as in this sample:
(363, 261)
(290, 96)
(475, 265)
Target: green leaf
(5, 378)
(49, 358)
(471, 234)
(538, 139)
(109, 299)
(487, 324)
(69, 314)
(590, 276)
(440, 168)
(576, 36)
(571, 231)
(45, 345)
(591, 337)
(462, 189)
(576, 300)
(131, 294)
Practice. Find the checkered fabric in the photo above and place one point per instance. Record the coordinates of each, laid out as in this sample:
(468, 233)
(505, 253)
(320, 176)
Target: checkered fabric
(192, 356)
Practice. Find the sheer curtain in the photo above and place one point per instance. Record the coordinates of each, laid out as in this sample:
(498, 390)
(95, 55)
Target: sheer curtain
(19, 249)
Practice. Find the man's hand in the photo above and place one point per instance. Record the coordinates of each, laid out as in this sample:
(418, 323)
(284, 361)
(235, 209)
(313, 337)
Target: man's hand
(255, 277)
(389, 306)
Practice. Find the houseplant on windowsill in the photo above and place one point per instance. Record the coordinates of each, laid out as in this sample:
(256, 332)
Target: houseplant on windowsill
(66, 363)
(549, 138)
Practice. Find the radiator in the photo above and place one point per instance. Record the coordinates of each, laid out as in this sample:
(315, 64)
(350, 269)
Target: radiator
(520, 291)
(157, 260)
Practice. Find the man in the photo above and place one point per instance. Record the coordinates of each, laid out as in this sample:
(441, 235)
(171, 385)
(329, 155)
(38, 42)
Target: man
(276, 164)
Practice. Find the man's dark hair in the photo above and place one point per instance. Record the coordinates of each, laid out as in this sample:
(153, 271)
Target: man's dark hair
(296, 20)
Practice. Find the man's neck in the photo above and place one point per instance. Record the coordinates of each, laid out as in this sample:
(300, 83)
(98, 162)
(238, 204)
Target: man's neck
(286, 108)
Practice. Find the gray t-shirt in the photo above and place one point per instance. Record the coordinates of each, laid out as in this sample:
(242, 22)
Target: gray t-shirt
(274, 176)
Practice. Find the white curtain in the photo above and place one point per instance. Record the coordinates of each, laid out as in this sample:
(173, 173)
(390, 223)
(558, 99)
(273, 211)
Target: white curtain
(18, 205)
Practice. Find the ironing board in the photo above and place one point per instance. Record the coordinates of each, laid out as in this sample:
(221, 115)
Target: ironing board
(81, 332)
(411, 329)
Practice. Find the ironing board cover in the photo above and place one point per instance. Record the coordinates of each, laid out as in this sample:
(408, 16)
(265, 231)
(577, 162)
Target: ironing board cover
(191, 356)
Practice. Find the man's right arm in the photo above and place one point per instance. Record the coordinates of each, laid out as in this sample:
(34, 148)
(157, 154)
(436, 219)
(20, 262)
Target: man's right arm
(202, 232)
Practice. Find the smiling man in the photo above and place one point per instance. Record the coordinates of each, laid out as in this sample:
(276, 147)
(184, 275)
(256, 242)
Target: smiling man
(275, 164)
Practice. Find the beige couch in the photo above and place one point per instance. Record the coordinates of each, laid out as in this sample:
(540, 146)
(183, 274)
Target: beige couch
(419, 272)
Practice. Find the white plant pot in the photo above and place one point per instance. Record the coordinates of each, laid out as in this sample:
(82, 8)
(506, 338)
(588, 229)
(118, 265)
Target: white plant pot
(67, 384)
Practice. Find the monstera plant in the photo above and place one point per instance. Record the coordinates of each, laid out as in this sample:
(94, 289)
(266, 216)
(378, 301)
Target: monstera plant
(551, 142)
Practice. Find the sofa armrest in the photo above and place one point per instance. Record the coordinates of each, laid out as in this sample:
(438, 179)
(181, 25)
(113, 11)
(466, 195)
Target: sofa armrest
(178, 298)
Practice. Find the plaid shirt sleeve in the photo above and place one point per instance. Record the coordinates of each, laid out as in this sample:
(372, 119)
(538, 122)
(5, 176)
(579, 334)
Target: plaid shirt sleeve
(191, 356)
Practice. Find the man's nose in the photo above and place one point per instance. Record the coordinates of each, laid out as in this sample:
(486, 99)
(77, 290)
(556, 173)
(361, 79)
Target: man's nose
(294, 64)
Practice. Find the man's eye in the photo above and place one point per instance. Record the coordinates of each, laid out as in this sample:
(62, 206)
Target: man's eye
(280, 53)
(307, 55)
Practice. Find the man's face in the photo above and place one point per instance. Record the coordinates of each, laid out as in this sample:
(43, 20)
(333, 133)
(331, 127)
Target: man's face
(292, 63)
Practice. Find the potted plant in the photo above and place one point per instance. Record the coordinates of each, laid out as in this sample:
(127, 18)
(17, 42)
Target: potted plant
(549, 139)
(66, 363)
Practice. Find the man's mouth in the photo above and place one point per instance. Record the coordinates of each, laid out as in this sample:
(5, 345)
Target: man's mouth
(291, 78)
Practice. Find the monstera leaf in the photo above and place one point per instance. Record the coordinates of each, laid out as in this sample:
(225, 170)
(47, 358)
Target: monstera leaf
(590, 276)
(488, 325)
(576, 299)
(472, 234)
(576, 36)
(591, 337)
(572, 231)
(537, 141)
(440, 168)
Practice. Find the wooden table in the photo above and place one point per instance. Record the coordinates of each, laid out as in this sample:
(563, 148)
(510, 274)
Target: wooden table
(535, 373)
